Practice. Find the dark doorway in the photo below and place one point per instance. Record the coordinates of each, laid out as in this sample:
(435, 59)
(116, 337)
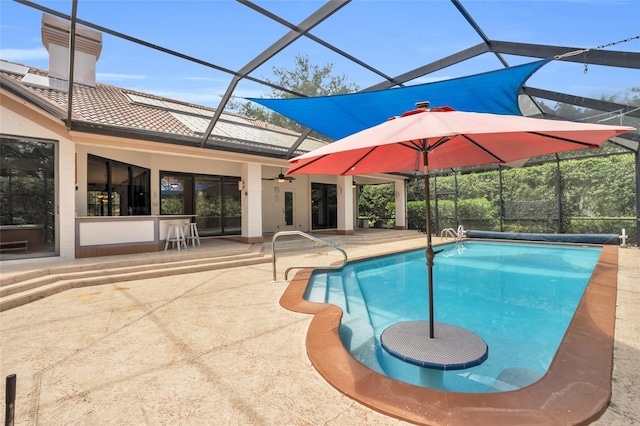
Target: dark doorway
(324, 206)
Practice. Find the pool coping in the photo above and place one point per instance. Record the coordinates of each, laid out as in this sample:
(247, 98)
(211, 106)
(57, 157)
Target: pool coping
(575, 390)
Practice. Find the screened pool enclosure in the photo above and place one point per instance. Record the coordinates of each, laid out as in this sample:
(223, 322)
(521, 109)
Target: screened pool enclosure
(594, 191)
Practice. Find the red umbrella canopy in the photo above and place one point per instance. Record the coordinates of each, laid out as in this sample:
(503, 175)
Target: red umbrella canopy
(452, 139)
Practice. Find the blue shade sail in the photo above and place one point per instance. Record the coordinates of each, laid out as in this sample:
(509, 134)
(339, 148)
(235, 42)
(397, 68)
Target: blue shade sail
(338, 116)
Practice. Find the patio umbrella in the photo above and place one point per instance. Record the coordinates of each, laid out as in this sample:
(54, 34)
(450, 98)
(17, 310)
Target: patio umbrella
(444, 138)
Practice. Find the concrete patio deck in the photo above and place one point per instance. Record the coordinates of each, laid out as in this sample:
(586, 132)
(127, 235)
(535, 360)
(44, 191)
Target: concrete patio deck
(215, 347)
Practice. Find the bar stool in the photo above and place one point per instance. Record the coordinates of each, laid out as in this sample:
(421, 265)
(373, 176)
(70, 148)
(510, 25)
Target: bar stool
(192, 234)
(175, 235)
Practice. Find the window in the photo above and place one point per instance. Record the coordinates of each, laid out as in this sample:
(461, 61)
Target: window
(288, 208)
(117, 189)
(27, 197)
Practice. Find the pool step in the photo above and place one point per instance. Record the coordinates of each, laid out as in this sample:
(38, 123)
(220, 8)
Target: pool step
(335, 292)
(355, 301)
(355, 328)
(359, 339)
(19, 289)
(342, 291)
(515, 378)
(317, 289)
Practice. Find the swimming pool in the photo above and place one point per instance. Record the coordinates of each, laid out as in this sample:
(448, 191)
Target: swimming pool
(518, 297)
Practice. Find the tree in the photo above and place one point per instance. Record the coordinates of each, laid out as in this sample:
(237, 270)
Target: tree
(628, 97)
(373, 203)
(307, 79)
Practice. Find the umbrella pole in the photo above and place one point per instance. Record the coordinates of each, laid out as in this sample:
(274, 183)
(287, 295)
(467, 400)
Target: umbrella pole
(430, 253)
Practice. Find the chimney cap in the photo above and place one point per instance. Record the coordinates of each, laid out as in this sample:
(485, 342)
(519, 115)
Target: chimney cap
(57, 31)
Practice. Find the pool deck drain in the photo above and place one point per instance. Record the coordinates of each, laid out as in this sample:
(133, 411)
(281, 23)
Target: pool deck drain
(451, 348)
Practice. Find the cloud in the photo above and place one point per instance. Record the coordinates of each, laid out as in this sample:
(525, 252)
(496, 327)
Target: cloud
(211, 79)
(23, 55)
(110, 76)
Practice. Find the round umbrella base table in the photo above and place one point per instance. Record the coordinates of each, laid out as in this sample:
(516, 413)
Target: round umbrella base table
(451, 348)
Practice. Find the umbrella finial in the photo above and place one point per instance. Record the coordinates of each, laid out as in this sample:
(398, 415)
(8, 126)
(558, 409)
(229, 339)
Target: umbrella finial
(423, 105)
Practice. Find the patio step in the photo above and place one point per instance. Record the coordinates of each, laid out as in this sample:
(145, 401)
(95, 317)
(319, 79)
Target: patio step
(10, 276)
(22, 288)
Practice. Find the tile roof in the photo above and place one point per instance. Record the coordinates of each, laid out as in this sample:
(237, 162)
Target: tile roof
(123, 110)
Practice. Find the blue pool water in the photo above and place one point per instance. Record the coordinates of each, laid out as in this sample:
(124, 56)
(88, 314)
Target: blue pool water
(518, 297)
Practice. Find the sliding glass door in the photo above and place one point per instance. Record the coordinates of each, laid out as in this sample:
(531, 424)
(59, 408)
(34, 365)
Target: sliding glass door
(214, 200)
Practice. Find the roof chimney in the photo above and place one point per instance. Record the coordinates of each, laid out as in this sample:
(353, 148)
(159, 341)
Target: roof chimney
(55, 37)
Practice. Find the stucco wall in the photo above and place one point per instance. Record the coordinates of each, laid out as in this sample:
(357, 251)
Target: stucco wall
(21, 120)
(273, 202)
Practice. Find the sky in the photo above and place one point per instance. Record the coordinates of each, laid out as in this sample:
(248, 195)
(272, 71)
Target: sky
(393, 36)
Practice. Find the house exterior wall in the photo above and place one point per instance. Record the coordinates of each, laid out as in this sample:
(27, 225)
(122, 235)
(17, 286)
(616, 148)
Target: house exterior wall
(251, 203)
(272, 204)
(263, 198)
(345, 204)
(19, 119)
(401, 205)
(273, 201)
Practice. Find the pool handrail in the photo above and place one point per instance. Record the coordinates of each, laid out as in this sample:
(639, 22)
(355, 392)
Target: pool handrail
(448, 233)
(310, 237)
(452, 233)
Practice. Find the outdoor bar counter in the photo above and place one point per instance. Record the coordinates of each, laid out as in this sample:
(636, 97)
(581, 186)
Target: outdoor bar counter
(110, 235)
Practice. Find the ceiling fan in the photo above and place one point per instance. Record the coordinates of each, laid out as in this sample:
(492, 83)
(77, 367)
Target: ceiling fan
(281, 178)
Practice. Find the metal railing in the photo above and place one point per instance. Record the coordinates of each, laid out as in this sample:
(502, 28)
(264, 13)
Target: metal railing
(452, 233)
(449, 233)
(310, 237)
(456, 235)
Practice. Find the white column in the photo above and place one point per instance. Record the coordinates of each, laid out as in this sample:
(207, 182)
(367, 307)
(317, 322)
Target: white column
(401, 204)
(251, 203)
(65, 202)
(345, 205)
(155, 185)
